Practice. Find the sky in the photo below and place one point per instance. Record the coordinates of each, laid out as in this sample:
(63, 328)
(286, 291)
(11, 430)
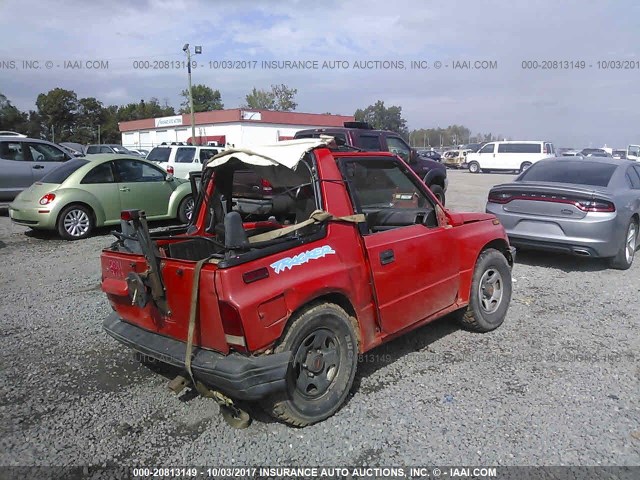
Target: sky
(565, 104)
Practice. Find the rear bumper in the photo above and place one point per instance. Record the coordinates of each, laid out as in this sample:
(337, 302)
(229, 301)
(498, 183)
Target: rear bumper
(238, 376)
(31, 217)
(592, 236)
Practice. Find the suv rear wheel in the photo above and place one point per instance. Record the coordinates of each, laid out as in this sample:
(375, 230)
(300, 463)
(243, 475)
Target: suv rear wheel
(324, 356)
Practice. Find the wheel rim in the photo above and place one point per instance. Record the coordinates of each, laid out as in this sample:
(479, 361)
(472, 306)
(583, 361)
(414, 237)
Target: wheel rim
(490, 290)
(316, 363)
(473, 167)
(76, 223)
(630, 249)
(188, 208)
(525, 166)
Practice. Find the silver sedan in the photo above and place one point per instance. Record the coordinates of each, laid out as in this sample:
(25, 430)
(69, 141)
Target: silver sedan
(588, 207)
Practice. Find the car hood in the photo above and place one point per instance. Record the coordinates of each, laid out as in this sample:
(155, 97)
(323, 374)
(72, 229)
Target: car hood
(35, 192)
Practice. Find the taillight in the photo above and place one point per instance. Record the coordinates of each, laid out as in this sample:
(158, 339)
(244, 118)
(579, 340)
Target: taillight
(595, 206)
(266, 185)
(500, 197)
(47, 199)
(170, 169)
(232, 325)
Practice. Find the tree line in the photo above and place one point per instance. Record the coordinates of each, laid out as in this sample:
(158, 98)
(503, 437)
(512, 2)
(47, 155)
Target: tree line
(61, 116)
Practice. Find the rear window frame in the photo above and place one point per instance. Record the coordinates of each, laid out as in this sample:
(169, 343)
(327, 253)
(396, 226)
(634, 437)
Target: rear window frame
(64, 169)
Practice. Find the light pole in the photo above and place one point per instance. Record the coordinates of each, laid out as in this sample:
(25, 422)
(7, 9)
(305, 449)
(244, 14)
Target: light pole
(197, 50)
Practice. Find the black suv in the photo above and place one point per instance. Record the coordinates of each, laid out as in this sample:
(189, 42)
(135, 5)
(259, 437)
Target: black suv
(362, 136)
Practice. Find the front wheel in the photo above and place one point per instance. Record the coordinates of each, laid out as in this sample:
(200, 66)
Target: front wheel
(75, 222)
(490, 293)
(438, 192)
(474, 167)
(185, 210)
(624, 257)
(324, 356)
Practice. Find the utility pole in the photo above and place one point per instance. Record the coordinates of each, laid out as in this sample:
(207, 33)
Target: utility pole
(99, 143)
(198, 49)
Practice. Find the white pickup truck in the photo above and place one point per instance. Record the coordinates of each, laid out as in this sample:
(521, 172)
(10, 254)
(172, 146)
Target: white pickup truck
(179, 160)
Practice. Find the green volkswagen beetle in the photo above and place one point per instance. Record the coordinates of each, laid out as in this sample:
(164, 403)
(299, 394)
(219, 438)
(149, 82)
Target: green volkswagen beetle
(85, 193)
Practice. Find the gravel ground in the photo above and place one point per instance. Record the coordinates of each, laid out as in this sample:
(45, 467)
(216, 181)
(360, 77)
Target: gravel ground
(557, 384)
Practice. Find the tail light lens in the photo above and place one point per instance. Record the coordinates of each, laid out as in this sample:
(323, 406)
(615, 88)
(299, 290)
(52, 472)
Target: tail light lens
(232, 325)
(266, 185)
(595, 206)
(170, 169)
(47, 199)
(500, 197)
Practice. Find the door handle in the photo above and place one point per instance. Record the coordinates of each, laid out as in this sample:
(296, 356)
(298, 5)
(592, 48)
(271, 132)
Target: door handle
(125, 189)
(38, 167)
(387, 257)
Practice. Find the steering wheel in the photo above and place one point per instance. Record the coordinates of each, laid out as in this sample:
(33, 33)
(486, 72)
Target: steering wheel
(40, 158)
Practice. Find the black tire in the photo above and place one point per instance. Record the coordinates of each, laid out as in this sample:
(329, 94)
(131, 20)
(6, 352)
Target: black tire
(314, 394)
(185, 210)
(624, 258)
(75, 222)
(483, 315)
(524, 166)
(438, 191)
(474, 167)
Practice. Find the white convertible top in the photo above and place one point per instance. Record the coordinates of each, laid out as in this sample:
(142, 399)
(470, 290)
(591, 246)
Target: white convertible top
(287, 153)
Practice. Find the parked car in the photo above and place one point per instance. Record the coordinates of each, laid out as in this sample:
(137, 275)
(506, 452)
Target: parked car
(90, 192)
(456, 158)
(8, 133)
(591, 209)
(509, 156)
(71, 151)
(360, 135)
(432, 154)
(279, 314)
(571, 153)
(633, 153)
(619, 154)
(107, 148)
(474, 147)
(76, 148)
(139, 151)
(26, 160)
(595, 152)
(179, 160)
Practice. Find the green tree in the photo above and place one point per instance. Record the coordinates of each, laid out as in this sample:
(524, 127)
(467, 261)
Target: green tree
(58, 109)
(138, 111)
(279, 98)
(90, 116)
(383, 118)
(205, 99)
(10, 117)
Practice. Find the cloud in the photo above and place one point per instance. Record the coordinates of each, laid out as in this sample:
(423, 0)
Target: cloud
(569, 106)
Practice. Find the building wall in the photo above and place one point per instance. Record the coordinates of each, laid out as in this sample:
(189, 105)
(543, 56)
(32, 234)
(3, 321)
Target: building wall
(238, 134)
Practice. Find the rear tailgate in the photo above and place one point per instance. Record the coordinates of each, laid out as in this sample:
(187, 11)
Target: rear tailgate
(177, 276)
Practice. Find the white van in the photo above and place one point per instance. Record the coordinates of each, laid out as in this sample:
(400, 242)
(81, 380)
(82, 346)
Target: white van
(511, 155)
(633, 153)
(179, 160)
